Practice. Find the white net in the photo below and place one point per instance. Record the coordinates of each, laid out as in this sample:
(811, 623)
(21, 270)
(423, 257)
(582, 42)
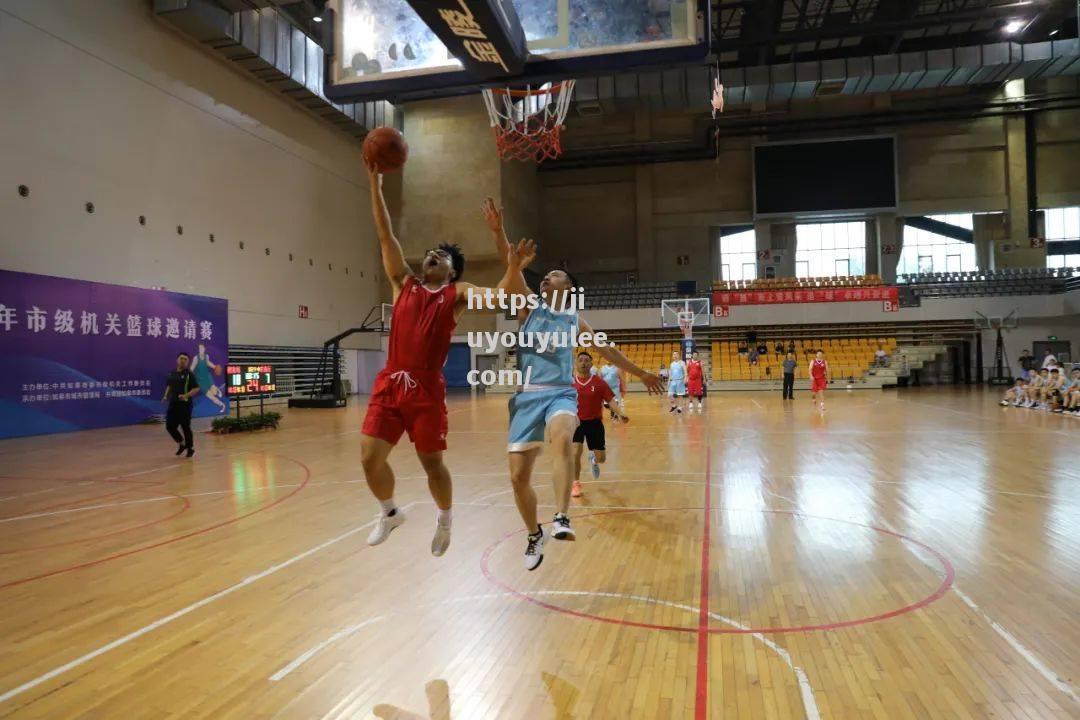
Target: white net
(528, 122)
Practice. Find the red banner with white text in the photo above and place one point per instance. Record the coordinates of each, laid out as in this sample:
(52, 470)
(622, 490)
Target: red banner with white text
(816, 295)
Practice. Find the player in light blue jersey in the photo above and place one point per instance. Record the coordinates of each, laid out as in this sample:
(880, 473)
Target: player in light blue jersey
(676, 382)
(613, 377)
(547, 407)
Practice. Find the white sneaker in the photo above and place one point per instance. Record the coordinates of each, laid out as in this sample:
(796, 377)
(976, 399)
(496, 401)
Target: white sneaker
(534, 551)
(383, 525)
(441, 541)
(593, 465)
(560, 528)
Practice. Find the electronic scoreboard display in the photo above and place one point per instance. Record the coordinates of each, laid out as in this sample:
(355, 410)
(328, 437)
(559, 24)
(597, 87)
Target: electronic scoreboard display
(250, 380)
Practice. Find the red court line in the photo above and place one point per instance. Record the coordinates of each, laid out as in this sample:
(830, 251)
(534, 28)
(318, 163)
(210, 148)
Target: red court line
(946, 583)
(184, 507)
(170, 541)
(701, 702)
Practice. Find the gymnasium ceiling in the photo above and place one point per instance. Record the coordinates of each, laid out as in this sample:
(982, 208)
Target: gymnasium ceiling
(763, 32)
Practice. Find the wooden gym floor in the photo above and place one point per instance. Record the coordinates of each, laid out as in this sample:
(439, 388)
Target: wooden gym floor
(908, 555)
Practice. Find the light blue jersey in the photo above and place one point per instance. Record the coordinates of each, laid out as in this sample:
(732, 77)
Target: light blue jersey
(610, 375)
(677, 371)
(550, 375)
(555, 367)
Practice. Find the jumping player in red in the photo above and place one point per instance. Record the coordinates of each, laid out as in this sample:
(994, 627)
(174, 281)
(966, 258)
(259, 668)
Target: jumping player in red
(819, 379)
(695, 381)
(592, 392)
(410, 392)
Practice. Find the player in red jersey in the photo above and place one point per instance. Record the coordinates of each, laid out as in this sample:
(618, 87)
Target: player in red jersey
(592, 393)
(410, 392)
(819, 379)
(695, 381)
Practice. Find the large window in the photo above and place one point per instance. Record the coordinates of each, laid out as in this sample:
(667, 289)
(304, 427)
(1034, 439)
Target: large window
(1062, 224)
(830, 249)
(738, 256)
(926, 252)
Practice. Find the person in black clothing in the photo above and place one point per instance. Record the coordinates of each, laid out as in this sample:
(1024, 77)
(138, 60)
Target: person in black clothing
(179, 389)
(789, 376)
(1027, 364)
(779, 348)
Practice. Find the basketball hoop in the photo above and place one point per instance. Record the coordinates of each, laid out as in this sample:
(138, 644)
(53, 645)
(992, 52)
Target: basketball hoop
(528, 123)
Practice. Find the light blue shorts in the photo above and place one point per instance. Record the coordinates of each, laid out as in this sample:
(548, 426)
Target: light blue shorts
(676, 388)
(531, 411)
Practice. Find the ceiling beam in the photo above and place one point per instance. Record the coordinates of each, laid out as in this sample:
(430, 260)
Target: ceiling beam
(1019, 8)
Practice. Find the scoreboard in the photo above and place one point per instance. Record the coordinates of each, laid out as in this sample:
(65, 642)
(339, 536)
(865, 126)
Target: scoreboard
(250, 380)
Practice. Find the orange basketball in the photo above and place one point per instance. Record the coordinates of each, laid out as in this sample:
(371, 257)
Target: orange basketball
(385, 148)
(217, 370)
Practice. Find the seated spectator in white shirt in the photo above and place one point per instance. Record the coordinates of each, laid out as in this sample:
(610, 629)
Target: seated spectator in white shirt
(881, 357)
(1049, 361)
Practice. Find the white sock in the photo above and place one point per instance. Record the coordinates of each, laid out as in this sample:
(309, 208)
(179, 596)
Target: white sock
(388, 506)
(443, 517)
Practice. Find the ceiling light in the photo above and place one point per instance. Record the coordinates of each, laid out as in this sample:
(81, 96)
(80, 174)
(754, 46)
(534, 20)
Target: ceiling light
(1053, 33)
(1013, 26)
(317, 18)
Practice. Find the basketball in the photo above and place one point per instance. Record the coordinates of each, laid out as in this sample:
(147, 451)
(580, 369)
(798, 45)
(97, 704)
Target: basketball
(217, 370)
(386, 149)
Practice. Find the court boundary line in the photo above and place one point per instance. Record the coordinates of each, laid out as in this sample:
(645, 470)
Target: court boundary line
(187, 610)
(701, 697)
(806, 691)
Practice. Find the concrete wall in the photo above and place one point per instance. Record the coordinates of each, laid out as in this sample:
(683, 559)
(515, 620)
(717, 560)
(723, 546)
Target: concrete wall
(102, 103)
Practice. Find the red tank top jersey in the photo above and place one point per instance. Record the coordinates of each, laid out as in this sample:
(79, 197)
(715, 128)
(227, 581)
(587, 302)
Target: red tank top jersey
(591, 395)
(421, 327)
(818, 369)
(693, 371)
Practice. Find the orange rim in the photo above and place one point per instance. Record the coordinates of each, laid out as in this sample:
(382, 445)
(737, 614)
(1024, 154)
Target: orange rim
(556, 87)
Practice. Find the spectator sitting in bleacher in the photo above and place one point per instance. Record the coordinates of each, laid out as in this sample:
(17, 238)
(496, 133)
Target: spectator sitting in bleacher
(762, 348)
(1035, 386)
(791, 346)
(881, 358)
(1052, 388)
(1071, 393)
(1016, 395)
(1027, 364)
(743, 349)
(1049, 360)
(779, 349)
(753, 356)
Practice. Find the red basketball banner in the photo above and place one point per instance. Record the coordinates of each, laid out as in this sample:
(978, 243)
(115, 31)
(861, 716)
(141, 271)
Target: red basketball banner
(816, 295)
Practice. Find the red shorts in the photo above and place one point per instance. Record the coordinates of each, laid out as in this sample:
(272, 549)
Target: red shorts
(817, 384)
(694, 388)
(411, 402)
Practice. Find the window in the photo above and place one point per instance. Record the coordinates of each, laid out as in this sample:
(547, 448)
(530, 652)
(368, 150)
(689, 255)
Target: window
(1062, 225)
(738, 256)
(830, 249)
(927, 252)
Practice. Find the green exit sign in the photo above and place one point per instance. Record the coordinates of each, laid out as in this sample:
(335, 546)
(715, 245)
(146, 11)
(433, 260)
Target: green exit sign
(1052, 338)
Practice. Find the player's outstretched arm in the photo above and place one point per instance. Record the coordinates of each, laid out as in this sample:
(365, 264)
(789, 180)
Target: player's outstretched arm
(494, 218)
(392, 255)
(512, 282)
(616, 358)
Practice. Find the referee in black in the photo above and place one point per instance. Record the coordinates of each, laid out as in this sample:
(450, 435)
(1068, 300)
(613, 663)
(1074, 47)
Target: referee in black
(179, 389)
(789, 376)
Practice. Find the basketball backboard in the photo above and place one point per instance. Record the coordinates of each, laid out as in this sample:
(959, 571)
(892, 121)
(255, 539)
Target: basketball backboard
(672, 311)
(382, 49)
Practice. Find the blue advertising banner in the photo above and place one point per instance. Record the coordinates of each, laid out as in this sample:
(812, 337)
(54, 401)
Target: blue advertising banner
(76, 355)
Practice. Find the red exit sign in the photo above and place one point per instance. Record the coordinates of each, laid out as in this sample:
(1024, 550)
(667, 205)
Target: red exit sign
(303, 312)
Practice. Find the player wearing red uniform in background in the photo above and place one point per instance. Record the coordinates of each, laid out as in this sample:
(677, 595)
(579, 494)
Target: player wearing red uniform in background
(410, 392)
(695, 381)
(819, 379)
(592, 392)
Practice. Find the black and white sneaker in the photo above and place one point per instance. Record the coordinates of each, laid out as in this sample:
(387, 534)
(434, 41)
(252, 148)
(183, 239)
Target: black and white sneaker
(534, 551)
(560, 528)
(180, 448)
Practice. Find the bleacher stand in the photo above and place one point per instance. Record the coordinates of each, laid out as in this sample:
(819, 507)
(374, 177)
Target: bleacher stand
(980, 283)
